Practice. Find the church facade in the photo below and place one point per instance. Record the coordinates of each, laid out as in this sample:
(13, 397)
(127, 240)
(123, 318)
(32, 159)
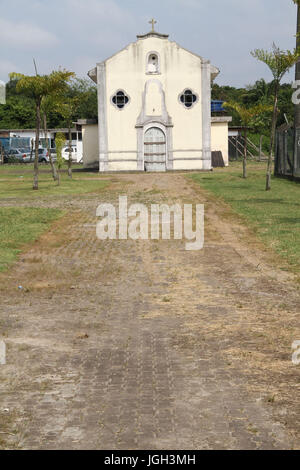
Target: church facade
(154, 110)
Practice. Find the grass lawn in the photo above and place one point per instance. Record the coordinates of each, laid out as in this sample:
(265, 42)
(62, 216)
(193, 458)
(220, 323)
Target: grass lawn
(274, 215)
(20, 226)
(16, 182)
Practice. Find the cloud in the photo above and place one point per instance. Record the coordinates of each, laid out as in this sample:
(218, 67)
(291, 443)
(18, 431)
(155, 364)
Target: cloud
(6, 67)
(89, 31)
(22, 35)
(97, 28)
(98, 13)
(190, 3)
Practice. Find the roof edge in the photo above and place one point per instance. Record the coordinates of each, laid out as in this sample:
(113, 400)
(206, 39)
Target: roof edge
(153, 34)
(214, 70)
(221, 119)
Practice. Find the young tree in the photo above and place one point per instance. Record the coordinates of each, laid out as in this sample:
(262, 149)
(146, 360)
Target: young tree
(77, 100)
(247, 115)
(38, 87)
(67, 106)
(279, 62)
(59, 144)
(47, 106)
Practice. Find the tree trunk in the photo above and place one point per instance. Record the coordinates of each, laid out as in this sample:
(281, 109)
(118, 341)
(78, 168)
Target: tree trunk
(273, 131)
(2, 153)
(58, 178)
(37, 139)
(31, 149)
(245, 154)
(54, 172)
(70, 153)
(260, 147)
(297, 73)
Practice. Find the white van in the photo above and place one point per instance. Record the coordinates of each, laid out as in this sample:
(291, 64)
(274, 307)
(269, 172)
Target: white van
(76, 156)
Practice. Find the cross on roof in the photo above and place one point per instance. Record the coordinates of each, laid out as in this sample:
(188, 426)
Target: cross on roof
(153, 22)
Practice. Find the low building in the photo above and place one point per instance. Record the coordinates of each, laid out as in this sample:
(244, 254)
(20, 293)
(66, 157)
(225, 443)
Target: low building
(25, 138)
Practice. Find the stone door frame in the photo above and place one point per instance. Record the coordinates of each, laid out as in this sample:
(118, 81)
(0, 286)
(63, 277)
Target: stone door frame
(163, 122)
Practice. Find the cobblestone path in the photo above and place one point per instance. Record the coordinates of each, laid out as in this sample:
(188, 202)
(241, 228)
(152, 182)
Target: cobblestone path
(143, 345)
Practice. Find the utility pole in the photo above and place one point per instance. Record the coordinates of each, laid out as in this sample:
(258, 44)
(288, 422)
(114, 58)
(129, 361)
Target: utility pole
(2, 101)
(297, 72)
(297, 106)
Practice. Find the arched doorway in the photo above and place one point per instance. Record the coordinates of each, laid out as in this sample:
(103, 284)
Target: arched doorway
(154, 150)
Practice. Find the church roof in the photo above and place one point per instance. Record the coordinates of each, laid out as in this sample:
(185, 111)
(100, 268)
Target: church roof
(153, 34)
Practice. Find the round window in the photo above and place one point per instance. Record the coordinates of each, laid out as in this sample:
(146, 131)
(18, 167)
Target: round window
(120, 99)
(188, 98)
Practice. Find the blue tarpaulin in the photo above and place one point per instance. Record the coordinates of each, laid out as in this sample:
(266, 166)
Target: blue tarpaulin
(217, 106)
(5, 141)
(15, 142)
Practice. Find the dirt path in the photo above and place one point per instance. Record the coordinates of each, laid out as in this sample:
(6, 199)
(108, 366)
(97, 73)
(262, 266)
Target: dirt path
(143, 345)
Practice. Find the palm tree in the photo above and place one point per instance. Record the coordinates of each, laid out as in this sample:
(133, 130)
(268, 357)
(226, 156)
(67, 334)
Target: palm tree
(39, 87)
(259, 92)
(279, 62)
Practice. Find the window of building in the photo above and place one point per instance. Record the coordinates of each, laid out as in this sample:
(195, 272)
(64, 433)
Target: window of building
(188, 98)
(120, 99)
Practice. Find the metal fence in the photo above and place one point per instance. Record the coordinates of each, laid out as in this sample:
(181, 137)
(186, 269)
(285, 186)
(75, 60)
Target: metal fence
(297, 155)
(287, 152)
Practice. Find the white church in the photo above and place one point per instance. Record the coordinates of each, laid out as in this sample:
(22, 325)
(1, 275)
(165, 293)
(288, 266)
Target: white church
(154, 110)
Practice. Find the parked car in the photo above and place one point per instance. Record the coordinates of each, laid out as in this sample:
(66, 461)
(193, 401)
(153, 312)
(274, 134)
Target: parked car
(17, 155)
(44, 156)
(53, 154)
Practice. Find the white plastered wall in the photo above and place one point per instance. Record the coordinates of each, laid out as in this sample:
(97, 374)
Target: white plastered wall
(219, 139)
(90, 145)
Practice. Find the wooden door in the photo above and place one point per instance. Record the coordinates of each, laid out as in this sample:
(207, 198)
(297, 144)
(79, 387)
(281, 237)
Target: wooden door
(155, 150)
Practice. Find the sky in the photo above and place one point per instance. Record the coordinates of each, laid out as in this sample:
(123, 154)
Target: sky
(76, 34)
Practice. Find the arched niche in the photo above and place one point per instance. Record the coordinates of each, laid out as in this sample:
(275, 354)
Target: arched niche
(153, 63)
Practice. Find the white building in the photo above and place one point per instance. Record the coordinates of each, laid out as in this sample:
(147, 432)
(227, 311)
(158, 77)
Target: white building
(154, 110)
